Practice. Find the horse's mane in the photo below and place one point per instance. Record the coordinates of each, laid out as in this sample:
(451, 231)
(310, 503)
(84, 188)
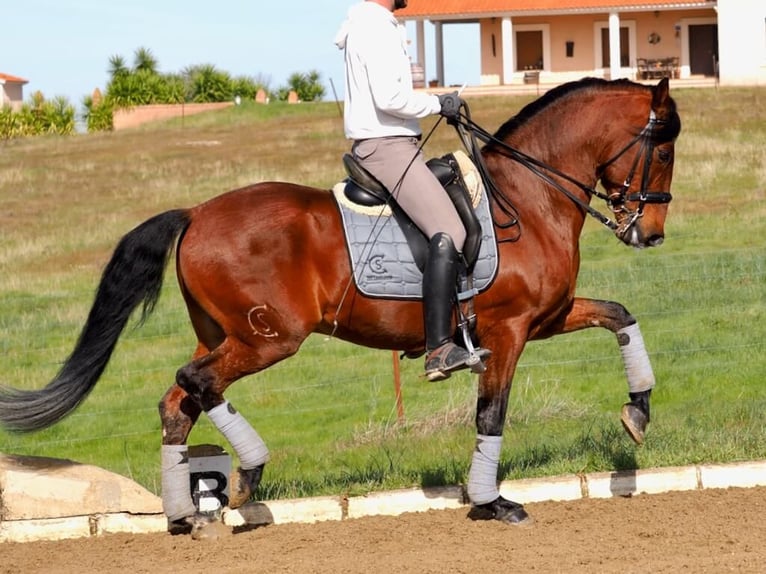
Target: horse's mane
(569, 88)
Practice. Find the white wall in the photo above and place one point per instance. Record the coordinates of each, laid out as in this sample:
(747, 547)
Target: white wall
(742, 42)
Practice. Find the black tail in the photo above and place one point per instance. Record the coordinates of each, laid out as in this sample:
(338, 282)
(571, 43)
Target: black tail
(133, 276)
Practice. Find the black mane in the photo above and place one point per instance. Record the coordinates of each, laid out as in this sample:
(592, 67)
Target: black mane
(554, 94)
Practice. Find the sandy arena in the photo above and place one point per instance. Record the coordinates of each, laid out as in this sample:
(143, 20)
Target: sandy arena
(715, 530)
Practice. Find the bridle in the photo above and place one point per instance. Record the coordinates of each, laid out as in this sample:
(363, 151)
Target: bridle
(616, 201)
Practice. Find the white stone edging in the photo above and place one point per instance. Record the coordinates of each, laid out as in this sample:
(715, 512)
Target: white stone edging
(310, 510)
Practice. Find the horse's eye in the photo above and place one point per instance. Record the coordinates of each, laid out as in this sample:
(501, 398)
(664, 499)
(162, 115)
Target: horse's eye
(664, 155)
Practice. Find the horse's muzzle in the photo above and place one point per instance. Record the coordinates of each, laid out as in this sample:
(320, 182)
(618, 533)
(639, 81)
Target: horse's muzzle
(632, 236)
(655, 240)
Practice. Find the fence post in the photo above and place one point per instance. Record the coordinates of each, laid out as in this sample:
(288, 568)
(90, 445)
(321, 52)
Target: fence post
(398, 387)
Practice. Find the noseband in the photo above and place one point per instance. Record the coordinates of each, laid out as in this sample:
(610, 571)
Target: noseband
(469, 131)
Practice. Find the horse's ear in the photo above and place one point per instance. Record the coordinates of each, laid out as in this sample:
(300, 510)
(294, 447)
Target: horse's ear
(661, 95)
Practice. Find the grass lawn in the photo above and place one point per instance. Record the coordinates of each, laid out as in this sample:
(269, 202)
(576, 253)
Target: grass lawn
(329, 414)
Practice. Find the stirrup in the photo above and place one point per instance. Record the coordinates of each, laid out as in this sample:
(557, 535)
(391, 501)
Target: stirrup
(476, 355)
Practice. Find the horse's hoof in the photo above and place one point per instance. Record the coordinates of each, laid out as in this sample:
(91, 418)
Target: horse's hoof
(634, 421)
(210, 530)
(201, 526)
(501, 509)
(242, 485)
(179, 527)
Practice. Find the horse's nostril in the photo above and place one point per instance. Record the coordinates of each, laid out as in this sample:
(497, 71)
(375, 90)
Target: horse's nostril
(656, 240)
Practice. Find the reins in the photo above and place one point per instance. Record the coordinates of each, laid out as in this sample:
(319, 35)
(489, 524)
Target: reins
(469, 131)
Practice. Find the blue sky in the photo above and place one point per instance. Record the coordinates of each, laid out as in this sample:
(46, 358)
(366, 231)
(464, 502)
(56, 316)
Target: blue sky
(63, 46)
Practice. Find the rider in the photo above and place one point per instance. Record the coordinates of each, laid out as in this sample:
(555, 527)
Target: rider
(381, 116)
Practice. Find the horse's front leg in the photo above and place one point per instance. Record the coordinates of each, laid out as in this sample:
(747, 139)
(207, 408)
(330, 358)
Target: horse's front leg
(585, 313)
(491, 408)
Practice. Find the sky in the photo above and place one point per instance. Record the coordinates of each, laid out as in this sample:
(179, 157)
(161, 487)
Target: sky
(63, 47)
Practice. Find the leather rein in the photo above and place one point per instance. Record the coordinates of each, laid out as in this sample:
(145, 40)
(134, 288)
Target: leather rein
(469, 131)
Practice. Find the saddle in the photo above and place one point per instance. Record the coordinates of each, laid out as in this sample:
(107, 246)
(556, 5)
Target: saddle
(365, 189)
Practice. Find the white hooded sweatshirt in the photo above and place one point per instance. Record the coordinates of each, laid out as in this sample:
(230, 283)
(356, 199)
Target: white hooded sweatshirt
(379, 99)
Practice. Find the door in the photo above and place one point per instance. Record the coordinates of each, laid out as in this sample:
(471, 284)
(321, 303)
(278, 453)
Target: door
(529, 50)
(624, 47)
(703, 49)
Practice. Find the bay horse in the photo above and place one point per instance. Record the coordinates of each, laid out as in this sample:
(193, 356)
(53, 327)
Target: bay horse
(262, 267)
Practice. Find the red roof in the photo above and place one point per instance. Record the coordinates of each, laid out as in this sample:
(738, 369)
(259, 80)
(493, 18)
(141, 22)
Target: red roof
(475, 8)
(13, 79)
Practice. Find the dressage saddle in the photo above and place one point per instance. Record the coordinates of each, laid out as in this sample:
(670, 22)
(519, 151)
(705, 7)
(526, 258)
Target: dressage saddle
(365, 189)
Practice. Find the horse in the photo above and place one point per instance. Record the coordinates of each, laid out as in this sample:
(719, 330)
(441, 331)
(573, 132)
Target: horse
(256, 287)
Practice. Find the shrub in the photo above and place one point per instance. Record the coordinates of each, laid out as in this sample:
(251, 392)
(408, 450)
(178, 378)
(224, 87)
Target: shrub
(209, 84)
(98, 116)
(38, 116)
(10, 124)
(307, 86)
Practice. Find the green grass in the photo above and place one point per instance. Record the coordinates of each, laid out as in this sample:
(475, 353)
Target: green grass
(329, 414)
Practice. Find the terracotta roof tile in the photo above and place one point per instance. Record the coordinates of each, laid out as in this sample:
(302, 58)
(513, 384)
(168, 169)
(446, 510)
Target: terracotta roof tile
(16, 79)
(474, 8)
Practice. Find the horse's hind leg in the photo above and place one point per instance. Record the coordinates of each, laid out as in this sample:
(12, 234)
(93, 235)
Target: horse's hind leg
(199, 387)
(178, 413)
(207, 377)
(586, 313)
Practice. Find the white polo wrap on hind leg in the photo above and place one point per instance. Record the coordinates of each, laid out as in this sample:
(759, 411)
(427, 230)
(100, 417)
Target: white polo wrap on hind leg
(482, 478)
(177, 501)
(247, 443)
(638, 369)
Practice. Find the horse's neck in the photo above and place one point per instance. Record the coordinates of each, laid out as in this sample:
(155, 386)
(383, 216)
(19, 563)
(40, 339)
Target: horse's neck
(556, 142)
(559, 150)
(551, 142)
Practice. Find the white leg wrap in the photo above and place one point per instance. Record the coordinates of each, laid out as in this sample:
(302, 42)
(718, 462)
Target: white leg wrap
(482, 478)
(638, 369)
(247, 443)
(177, 501)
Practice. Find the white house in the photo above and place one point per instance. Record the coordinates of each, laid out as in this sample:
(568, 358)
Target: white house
(559, 40)
(11, 91)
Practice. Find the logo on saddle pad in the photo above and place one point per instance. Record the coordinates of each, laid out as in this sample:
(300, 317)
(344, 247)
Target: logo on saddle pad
(380, 256)
(377, 265)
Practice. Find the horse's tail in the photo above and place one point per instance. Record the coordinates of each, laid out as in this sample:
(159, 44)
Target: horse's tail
(133, 276)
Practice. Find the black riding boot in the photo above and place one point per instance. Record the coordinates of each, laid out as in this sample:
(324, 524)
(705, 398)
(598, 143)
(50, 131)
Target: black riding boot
(439, 282)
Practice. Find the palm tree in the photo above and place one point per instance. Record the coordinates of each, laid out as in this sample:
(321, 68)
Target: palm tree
(117, 66)
(144, 60)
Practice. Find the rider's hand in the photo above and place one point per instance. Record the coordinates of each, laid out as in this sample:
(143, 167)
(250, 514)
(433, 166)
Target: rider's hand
(450, 105)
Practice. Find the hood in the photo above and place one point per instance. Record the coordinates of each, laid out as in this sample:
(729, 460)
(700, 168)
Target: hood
(357, 15)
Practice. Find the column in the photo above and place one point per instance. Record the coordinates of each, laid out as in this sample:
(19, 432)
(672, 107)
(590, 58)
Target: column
(614, 45)
(508, 56)
(439, 44)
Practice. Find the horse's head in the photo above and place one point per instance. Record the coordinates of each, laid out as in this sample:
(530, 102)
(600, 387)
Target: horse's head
(638, 172)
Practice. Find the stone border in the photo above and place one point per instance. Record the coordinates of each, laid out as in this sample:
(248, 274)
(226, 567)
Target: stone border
(309, 510)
